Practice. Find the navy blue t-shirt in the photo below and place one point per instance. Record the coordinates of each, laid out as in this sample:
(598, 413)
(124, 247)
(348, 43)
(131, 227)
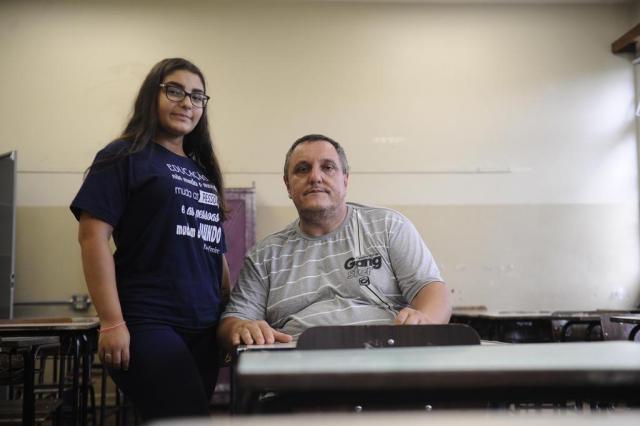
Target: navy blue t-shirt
(167, 231)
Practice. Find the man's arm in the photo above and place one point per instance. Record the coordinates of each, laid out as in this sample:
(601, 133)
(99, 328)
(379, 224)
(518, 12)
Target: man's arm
(417, 275)
(248, 300)
(235, 331)
(430, 306)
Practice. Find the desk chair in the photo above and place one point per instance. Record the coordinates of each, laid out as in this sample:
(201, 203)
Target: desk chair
(23, 407)
(613, 329)
(621, 326)
(386, 336)
(509, 326)
(576, 326)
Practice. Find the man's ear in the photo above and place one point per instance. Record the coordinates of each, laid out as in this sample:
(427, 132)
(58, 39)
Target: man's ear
(346, 180)
(286, 183)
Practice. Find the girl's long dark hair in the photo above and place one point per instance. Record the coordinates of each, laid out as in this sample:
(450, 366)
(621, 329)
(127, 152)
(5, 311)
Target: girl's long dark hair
(143, 125)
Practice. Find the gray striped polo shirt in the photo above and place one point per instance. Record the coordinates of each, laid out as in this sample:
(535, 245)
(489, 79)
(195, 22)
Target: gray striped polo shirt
(363, 272)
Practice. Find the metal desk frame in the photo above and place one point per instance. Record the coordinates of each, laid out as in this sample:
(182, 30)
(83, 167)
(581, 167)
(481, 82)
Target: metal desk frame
(28, 347)
(79, 335)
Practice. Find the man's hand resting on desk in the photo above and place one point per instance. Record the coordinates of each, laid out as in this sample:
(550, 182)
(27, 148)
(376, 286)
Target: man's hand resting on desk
(429, 306)
(410, 316)
(238, 331)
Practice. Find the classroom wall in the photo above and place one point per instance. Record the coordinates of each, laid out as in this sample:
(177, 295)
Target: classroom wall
(504, 132)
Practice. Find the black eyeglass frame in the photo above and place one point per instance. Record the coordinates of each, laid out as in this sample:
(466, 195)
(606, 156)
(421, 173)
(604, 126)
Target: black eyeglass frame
(165, 86)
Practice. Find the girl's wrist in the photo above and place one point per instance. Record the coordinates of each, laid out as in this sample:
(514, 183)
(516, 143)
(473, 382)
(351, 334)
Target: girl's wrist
(111, 327)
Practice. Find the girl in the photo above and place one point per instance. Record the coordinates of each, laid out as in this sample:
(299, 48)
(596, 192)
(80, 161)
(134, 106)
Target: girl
(158, 190)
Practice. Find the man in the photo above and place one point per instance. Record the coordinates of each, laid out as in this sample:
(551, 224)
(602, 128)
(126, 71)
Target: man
(338, 264)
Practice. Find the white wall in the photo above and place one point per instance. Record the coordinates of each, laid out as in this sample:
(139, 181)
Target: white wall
(505, 132)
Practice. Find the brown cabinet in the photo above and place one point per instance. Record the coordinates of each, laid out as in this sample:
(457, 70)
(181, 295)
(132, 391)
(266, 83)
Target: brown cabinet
(240, 234)
(240, 227)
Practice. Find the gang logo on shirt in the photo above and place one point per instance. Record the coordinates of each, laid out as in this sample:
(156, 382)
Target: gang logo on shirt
(362, 267)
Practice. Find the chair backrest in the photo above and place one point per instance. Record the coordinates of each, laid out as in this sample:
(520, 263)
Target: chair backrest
(385, 336)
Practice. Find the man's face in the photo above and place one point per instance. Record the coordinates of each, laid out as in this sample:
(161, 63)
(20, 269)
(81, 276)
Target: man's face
(315, 180)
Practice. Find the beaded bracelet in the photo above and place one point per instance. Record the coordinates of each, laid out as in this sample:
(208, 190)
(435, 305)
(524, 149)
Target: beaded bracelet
(103, 329)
